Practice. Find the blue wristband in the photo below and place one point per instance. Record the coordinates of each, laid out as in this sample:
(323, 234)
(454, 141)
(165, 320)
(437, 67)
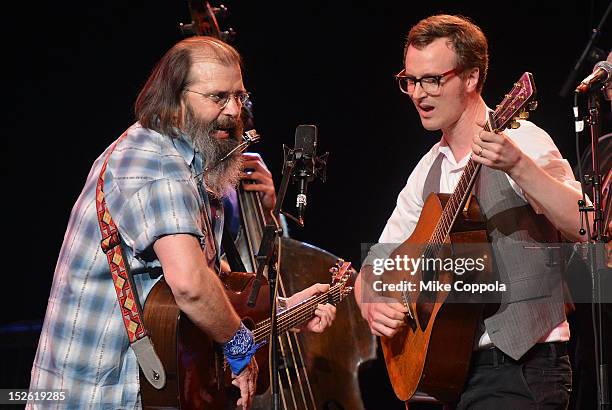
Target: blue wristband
(240, 349)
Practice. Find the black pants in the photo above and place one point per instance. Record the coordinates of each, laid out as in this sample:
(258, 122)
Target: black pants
(541, 379)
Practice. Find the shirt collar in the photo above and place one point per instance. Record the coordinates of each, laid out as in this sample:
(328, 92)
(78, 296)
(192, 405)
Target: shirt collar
(444, 148)
(184, 146)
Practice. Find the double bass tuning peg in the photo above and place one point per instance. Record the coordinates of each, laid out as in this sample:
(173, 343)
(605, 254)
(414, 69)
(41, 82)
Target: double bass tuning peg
(228, 35)
(220, 11)
(187, 30)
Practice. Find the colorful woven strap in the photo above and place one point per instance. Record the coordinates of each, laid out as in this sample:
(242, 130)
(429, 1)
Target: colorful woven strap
(131, 311)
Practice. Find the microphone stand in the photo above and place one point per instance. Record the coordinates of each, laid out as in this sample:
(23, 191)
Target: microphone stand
(571, 78)
(596, 246)
(272, 232)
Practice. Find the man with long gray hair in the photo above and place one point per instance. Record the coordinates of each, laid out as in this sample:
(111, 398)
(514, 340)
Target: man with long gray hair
(162, 182)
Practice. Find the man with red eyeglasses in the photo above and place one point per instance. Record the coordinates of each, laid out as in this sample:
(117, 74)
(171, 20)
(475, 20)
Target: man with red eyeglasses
(527, 192)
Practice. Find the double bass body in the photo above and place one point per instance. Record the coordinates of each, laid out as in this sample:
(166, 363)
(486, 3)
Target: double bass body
(317, 371)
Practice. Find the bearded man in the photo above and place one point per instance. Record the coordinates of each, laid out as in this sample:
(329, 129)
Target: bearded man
(164, 179)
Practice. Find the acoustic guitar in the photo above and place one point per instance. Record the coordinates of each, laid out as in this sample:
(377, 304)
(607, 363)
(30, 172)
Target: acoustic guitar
(432, 353)
(197, 374)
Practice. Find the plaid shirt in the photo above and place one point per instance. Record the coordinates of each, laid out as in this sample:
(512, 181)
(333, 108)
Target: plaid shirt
(150, 191)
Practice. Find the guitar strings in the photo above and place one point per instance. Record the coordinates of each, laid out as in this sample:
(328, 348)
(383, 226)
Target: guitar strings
(296, 315)
(289, 318)
(306, 308)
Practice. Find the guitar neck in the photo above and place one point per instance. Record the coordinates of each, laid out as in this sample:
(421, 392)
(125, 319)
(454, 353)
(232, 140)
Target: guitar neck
(457, 199)
(297, 315)
(456, 202)
(515, 104)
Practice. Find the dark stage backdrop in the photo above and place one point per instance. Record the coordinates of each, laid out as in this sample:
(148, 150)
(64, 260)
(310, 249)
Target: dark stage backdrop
(74, 71)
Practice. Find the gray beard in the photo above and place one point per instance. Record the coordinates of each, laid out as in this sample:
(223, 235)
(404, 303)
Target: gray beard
(223, 177)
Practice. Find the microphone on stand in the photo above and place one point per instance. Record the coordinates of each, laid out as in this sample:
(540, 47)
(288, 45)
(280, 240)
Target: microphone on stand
(305, 152)
(301, 165)
(602, 73)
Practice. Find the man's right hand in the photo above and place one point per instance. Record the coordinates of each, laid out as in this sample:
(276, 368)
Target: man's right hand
(384, 318)
(384, 315)
(246, 381)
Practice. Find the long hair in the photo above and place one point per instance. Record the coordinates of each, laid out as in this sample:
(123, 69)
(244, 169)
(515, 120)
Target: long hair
(158, 106)
(466, 38)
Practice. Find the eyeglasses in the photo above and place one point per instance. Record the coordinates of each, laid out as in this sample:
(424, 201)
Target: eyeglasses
(223, 98)
(430, 84)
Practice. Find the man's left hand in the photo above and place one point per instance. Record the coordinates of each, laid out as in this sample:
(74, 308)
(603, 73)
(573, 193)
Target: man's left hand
(496, 151)
(324, 314)
(261, 177)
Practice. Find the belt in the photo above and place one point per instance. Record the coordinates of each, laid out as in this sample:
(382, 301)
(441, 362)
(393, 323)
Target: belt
(494, 356)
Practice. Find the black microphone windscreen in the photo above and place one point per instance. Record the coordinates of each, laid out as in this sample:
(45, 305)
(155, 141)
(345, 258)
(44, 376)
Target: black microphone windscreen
(306, 139)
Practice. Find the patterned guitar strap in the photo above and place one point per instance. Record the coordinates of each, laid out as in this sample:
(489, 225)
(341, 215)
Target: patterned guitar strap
(127, 296)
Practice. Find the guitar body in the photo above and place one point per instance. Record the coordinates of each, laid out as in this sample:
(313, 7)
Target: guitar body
(194, 364)
(432, 353)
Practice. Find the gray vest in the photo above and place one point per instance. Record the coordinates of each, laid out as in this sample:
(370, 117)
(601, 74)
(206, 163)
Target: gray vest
(533, 302)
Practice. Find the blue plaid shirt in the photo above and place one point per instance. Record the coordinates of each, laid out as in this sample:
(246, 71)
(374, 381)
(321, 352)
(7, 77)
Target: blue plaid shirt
(150, 191)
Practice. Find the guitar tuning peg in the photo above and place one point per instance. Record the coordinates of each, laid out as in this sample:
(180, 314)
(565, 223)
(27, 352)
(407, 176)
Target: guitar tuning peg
(333, 270)
(514, 124)
(532, 105)
(340, 262)
(523, 115)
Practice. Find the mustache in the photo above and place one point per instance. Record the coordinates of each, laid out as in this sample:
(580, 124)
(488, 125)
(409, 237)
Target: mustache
(226, 124)
(223, 169)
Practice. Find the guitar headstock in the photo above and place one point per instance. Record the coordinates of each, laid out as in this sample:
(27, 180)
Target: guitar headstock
(343, 275)
(515, 105)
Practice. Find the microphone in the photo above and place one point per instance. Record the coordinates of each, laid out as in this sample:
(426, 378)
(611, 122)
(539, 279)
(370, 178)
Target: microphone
(601, 74)
(305, 154)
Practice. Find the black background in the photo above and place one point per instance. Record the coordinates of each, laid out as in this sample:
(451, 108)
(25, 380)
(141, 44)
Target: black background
(72, 72)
